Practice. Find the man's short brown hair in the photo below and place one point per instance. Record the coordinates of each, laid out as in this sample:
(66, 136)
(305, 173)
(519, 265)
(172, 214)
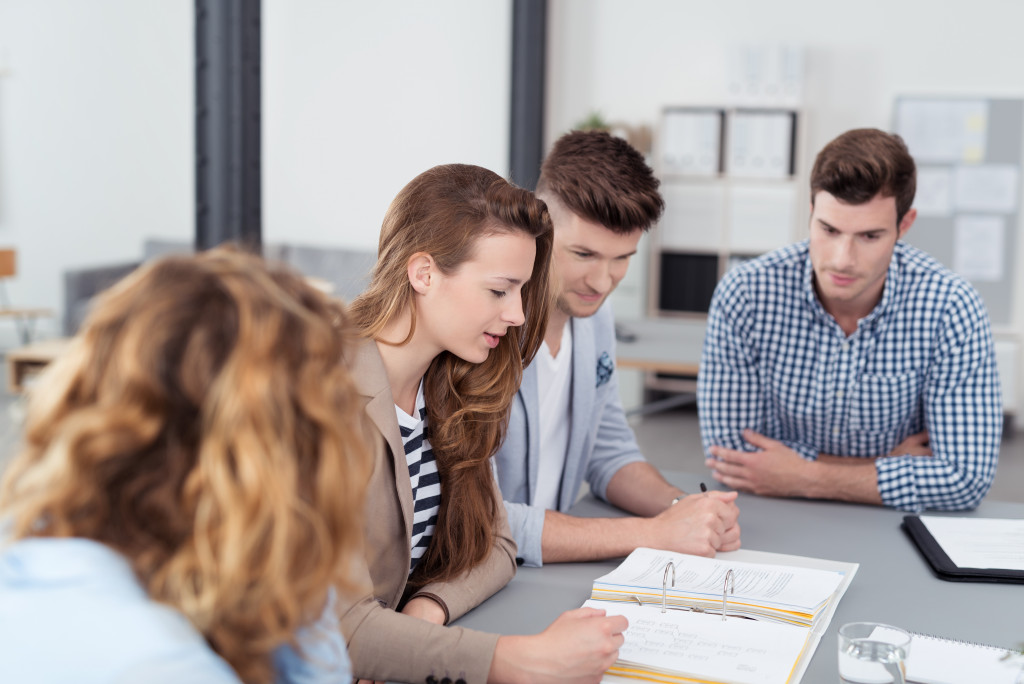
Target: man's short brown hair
(863, 163)
(602, 178)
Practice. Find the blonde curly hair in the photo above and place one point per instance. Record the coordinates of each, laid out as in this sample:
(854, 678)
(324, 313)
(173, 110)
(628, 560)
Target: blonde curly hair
(203, 425)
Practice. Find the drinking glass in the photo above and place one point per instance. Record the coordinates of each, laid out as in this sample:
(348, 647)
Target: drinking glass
(872, 653)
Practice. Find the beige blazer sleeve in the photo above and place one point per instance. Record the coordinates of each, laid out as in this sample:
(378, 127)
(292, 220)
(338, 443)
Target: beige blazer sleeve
(473, 588)
(384, 644)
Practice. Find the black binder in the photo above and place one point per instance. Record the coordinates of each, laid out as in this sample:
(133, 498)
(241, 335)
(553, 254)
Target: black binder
(943, 567)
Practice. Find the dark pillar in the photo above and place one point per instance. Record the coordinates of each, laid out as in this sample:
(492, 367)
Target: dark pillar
(228, 153)
(529, 55)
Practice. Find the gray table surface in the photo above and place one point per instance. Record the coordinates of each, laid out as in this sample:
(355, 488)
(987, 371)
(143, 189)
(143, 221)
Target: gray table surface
(893, 584)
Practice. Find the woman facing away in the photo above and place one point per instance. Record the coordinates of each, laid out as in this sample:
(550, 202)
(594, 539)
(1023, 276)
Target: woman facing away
(191, 486)
(455, 309)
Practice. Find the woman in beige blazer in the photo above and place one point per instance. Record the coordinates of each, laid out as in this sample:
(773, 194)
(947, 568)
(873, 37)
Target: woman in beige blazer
(455, 310)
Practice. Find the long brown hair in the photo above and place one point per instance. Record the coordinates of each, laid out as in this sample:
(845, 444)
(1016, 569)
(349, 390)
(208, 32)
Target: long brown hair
(203, 425)
(443, 212)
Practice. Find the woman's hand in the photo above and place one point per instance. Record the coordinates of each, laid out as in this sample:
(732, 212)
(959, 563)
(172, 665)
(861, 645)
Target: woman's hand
(577, 647)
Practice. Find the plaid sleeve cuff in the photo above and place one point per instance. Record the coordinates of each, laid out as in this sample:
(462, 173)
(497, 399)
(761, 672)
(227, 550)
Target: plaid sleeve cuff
(808, 452)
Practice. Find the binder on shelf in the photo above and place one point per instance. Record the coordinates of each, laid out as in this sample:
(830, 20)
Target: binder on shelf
(692, 141)
(762, 144)
(945, 567)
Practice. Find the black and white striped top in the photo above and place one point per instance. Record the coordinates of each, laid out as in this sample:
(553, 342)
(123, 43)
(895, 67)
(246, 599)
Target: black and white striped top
(423, 476)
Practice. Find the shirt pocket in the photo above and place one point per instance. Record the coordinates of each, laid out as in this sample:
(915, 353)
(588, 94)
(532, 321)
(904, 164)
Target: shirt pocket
(884, 403)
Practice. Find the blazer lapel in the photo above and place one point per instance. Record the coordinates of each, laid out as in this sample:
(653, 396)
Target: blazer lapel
(584, 379)
(531, 407)
(371, 380)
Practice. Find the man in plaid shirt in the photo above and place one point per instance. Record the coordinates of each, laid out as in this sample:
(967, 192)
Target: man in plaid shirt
(851, 365)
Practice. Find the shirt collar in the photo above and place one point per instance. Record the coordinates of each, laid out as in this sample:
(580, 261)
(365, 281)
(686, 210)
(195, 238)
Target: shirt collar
(889, 292)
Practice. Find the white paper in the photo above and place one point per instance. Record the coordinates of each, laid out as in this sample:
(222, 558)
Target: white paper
(760, 144)
(933, 660)
(978, 244)
(948, 131)
(787, 588)
(691, 142)
(705, 646)
(986, 187)
(934, 195)
(990, 543)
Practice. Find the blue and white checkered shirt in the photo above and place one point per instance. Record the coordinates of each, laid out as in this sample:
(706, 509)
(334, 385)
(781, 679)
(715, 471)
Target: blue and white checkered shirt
(776, 362)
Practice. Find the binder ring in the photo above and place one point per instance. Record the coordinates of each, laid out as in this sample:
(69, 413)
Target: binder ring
(664, 583)
(728, 587)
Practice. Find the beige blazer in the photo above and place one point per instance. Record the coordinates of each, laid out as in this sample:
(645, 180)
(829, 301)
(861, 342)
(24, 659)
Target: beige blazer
(384, 644)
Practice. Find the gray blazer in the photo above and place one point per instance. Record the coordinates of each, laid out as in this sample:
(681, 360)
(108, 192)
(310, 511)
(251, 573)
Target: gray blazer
(382, 643)
(600, 439)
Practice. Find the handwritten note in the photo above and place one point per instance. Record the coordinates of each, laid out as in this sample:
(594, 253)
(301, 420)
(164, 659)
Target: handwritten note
(706, 647)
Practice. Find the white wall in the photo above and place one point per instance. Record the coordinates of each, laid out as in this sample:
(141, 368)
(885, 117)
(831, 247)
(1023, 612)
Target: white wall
(361, 97)
(628, 59)
(96, 122)
(96, 100)
(95, 137)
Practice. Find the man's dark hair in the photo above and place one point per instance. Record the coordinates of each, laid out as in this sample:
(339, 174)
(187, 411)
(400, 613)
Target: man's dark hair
(863, 163)
(602, 178)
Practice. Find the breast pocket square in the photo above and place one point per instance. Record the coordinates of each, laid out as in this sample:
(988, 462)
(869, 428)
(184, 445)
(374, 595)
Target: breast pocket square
(605, 367)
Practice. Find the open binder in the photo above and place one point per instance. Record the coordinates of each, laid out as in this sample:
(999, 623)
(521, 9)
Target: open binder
(943, 566)
(746, 617)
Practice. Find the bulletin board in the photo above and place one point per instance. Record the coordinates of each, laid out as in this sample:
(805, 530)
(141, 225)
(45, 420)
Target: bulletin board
(968, 156)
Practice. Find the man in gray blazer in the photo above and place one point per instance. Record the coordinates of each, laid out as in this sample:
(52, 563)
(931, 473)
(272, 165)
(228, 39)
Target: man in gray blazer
(567, 422)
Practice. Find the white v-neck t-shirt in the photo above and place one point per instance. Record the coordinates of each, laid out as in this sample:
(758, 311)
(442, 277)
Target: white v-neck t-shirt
(554, 390)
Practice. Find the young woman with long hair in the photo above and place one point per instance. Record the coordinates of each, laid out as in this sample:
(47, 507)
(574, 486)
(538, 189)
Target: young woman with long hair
(456, 307)
(191, 488)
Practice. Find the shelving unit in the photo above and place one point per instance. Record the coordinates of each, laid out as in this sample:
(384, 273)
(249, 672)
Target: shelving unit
(729, 179)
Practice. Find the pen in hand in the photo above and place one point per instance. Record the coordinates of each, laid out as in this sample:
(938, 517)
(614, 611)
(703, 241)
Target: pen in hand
(703, 490)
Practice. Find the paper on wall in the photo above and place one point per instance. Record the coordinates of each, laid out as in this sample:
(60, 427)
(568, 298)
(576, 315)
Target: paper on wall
(950, 131)
(978, 245)
(986, 187)
(934, 195)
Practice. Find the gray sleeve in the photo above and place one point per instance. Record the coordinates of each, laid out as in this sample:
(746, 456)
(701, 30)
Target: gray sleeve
(527, 523)
(614, 445)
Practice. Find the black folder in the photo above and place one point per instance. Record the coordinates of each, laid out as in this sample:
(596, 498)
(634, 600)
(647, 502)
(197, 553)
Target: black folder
(943, 567)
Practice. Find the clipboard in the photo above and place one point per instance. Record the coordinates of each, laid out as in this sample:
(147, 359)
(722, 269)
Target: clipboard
(943, 567)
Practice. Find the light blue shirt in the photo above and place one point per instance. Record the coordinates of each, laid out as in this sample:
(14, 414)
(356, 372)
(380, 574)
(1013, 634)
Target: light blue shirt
(72, 610)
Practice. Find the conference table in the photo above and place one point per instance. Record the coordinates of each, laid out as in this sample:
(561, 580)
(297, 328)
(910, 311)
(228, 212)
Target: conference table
(893, 584)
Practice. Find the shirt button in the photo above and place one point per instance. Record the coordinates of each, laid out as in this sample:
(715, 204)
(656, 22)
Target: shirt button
(845, 346)
(835, 431)
(839, 393)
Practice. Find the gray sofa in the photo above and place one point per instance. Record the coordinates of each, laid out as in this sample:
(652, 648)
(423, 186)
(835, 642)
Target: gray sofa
(346, 270)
